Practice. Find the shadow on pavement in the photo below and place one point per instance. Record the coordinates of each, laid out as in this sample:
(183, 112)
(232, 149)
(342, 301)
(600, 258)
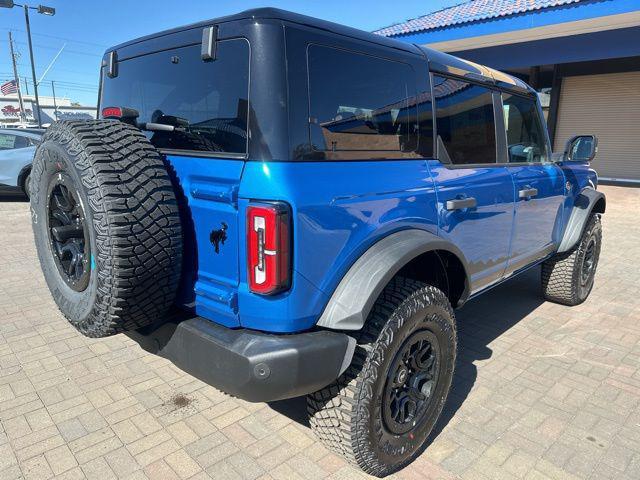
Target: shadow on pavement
(480, 321)
(10, 195)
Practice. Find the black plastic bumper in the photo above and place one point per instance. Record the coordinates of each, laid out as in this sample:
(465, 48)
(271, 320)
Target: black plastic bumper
(254, 366)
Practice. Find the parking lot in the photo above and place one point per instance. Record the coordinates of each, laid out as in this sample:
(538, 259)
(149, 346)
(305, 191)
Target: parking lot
(541, 390)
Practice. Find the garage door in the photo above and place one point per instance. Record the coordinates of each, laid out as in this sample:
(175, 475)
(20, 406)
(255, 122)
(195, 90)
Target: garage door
(609, 107)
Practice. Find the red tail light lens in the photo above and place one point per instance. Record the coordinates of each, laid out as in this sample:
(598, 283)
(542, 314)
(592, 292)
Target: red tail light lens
(111, 112)
(268, 247)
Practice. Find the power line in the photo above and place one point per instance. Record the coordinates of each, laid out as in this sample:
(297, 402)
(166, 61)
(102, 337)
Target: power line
(62, 82)
(63, 69)
(45, 47)
(69, 40)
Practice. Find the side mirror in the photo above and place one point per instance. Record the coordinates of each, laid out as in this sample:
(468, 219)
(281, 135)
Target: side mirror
(581, 148)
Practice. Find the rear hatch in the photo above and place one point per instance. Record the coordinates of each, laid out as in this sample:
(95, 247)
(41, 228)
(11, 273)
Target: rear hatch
(206, 103)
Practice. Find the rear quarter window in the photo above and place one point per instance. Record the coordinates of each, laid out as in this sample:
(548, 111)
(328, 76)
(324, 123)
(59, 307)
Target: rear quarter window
(361, 106)
(207, 101)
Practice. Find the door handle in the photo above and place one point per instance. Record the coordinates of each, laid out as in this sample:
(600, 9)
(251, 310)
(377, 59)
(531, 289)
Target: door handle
(460, 203)
(527, 193)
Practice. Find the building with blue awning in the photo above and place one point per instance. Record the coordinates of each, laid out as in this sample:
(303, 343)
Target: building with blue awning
(583, 56)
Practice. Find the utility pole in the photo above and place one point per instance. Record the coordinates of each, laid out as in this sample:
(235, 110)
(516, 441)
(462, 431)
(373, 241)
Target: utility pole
(23, 116)
(33, 66)
(26, 85)
(55, 107)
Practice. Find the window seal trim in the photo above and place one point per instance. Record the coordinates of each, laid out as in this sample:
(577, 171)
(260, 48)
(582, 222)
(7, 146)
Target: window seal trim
(203, 154)
(451, 166)
(502, 150)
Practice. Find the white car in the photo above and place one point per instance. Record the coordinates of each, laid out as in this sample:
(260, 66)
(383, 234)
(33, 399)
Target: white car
(17, 147)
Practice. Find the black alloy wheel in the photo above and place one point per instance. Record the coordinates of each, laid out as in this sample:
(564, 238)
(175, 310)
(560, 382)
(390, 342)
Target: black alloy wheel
(68, 233)
(411, 381)
(589, 262)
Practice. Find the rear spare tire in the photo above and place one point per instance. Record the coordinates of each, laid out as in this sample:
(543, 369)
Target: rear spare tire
(106, 225)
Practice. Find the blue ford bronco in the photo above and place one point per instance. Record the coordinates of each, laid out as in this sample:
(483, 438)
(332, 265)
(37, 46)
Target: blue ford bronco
(316, 201)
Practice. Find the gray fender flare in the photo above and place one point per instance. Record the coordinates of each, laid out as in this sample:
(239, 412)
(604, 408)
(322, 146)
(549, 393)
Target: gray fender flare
(585, 203)
(361, 286)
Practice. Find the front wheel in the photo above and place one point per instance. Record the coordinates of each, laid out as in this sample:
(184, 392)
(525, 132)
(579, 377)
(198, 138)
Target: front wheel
(26, 185)
(380, 412)
(568, 278)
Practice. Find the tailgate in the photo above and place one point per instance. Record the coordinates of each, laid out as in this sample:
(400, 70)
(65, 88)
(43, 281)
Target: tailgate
(210, 229)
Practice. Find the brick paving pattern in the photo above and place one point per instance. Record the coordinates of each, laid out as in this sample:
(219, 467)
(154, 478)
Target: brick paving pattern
(541, 391)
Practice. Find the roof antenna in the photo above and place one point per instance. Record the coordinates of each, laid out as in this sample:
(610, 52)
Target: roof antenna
(209, 43)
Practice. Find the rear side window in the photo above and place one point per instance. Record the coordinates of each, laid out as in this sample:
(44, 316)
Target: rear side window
(7, 142)
(207, 101)
(465, 122)
(361, 106)
(526, 141)
(22, 142)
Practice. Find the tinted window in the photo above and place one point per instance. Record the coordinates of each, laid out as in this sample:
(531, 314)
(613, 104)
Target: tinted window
(207, 101)
(360, 103)
(21, 142)
(525, 136)
(7, 141)
(464, 121)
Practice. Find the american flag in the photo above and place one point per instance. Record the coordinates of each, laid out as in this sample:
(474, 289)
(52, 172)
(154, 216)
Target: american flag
(9, 87)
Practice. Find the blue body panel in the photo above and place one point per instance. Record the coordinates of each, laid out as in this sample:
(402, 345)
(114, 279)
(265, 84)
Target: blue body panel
(537, 228)
(340, 209)
(482, 233)
(579, 176)
(209, 190)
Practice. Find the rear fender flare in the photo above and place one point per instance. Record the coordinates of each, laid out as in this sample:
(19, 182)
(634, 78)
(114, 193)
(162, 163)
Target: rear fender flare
(353, 299)
(583, 206)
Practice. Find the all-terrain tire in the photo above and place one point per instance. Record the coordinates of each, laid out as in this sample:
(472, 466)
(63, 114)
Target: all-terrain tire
(348, 416)
(118, 191)
(567, 278)
(24, 184)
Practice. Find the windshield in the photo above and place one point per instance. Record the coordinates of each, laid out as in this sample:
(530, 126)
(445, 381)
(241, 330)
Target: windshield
(207, 101)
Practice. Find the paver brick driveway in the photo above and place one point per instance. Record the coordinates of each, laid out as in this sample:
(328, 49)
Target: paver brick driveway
(541, 391)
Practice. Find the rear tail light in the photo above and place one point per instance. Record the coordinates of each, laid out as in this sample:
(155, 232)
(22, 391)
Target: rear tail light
(111, 112)
(128, 115)
(268, 247)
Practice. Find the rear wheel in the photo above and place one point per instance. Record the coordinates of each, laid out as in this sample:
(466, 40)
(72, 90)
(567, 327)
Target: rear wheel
(568, 278)
(106, 226)
(25, 184)
(380, 412)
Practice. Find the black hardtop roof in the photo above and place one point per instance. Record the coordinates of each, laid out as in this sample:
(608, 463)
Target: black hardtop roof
(269, 13)
(439, 61)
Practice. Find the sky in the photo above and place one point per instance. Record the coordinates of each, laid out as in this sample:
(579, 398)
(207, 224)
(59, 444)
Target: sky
(85, 28)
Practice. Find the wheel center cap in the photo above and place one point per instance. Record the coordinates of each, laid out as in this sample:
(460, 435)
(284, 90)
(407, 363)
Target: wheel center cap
(401, 377)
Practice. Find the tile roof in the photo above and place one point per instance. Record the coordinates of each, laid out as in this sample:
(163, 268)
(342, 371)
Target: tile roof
(468, 12)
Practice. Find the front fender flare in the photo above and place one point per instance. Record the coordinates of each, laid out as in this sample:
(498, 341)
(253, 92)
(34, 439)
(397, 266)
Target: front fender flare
(585, 202)
(361, 286)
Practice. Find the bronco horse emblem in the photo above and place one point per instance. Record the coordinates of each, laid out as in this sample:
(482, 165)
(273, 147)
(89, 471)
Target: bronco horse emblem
(218, 237)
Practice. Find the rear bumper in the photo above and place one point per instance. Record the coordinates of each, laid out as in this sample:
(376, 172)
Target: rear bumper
(254, 366)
